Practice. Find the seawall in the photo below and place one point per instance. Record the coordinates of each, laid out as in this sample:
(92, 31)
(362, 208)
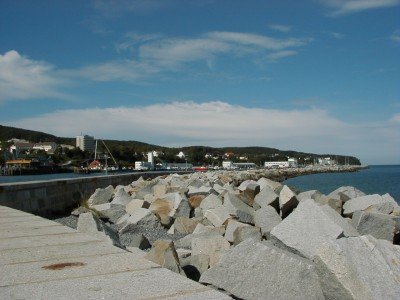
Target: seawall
(57, 197)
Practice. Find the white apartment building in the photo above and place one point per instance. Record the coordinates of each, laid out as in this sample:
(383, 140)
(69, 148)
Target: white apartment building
(85, 142)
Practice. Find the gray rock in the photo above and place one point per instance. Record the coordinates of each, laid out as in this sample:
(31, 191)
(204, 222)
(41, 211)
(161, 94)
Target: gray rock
(243, 186)
(214, 246)
(346, 193)
(233, 204)
(159, 190)
(287, 201)
(139, 241)
(209, 202)
(133, 205)
(266, 218)
(267, 197)
(249, 193)
(274, 185)
(245, 217)
(186, 241)
(112, 212)
(217, 216)
(313, 194)
(348, 228)
(121, 197)
(253, 270)
(335, 203)
(203, 190)
(371, 202)
(359, 268)
(200, 261)
(163, 253)
(92, 225)
(141, 217)
(231, 227)
(184, 209)
(101, 196)
(378, 225)
(246, 232)
(306, 228)
(184, 225)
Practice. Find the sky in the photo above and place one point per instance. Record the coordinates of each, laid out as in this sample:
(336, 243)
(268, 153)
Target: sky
(319, 76)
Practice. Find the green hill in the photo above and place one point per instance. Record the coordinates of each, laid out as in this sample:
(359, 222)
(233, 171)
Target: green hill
(127, 152)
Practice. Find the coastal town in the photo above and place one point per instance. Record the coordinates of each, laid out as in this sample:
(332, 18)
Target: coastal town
(25, 157)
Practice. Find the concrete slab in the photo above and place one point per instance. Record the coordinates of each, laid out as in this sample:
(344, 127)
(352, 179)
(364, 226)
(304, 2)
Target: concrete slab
(78, 267)
(151, 283)
(41, 259)
(28, 224)
(37, 241)
(11, 232)
(66, 251)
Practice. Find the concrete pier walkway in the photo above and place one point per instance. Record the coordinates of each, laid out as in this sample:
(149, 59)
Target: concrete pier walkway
(41, 259)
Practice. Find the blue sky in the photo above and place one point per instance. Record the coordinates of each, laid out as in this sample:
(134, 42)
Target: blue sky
(319, 76)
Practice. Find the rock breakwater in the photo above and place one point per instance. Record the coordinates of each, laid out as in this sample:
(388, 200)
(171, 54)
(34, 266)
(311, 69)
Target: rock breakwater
(246, 233)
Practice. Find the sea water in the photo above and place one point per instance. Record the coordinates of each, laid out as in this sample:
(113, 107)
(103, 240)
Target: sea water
(374, 180)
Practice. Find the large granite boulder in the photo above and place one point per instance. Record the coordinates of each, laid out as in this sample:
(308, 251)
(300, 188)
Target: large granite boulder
(378, 225)
(287, 201)
(274, 185)
(266, 197)
(101, 196)
(92, 225)
(141, 217)
(112, 212)
(184, 225)
(121, 197)
(373, 202)
(254, 270)
(231, 227)
(234, 204)
(211, 201)
(346, 193)
(217, 216)
(214, 246)
(266, 218)
(359, 268)
(305, 229)
(246, 232)
(164, 254)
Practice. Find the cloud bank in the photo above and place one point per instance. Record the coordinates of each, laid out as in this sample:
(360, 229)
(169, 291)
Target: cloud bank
(221, 124)
(345, 7)
(24, 78)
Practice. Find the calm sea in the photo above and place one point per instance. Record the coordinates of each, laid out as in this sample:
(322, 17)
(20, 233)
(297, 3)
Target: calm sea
(375, 180)
(23, 178)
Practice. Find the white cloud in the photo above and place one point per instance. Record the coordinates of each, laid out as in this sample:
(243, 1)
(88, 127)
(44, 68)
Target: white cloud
(222, 124)
(395, 37)
(24, 78)
(337, 35)
(154, 53)
(280, 27)
(344, 7)
(281, 54)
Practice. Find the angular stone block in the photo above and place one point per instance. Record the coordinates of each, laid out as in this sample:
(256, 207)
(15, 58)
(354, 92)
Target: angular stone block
(287, 201)
(378, 225)
(359, 268)
(163, 253)
(306, 228)
(253, 270)
(266, 218)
